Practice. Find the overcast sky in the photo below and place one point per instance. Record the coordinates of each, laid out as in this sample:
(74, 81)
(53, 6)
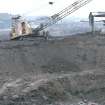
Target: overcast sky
(41, 7)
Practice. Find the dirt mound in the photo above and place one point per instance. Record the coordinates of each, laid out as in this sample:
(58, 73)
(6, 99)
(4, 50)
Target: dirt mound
(62, 88)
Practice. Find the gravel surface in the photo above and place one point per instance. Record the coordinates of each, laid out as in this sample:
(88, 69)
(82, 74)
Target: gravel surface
(68, 71)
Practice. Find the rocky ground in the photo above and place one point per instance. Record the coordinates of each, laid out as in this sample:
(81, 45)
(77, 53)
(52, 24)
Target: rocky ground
(67, 71)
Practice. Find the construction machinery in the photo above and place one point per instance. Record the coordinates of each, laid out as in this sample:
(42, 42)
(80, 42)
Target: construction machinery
(92, 16)
(21, 28)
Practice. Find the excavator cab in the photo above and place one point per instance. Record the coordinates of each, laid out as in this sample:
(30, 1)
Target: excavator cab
(20, 27)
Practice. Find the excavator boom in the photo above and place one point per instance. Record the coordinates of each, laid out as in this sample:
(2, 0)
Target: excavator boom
(65, 12)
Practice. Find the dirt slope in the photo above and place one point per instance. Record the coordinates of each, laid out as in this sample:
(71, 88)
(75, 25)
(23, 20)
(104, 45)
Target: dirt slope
(53, 72)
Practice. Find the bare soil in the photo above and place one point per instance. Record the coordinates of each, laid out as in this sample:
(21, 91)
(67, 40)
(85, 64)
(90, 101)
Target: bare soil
(53, 72)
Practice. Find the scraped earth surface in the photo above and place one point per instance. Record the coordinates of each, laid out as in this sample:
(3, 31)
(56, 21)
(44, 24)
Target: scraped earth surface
(69, 71)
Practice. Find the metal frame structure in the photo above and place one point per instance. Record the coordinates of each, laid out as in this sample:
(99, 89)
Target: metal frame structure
(92, 16)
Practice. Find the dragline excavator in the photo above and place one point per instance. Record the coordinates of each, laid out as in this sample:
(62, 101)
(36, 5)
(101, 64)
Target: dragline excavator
(21, 27)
